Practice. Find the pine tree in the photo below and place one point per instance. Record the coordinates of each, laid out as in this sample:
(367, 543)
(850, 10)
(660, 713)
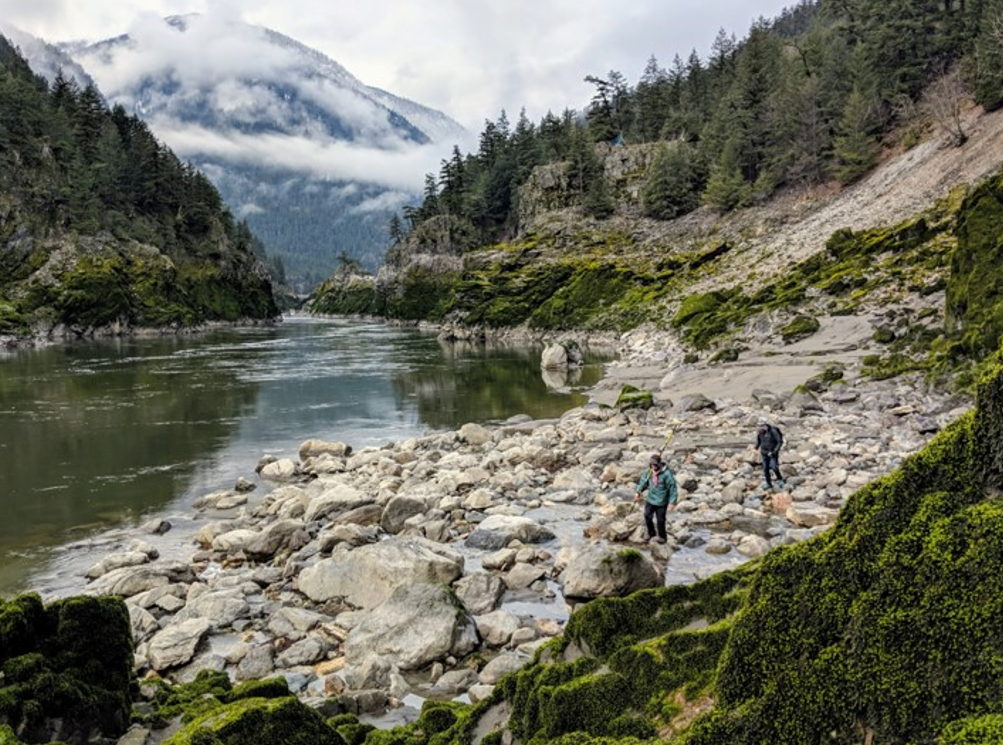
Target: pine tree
(856, 146)
(726, 188)
(669, 190)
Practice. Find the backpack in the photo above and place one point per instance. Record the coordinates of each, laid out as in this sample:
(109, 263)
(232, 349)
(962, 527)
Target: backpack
(775, 437)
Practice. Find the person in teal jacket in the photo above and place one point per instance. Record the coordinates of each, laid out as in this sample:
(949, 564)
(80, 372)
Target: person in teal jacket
(663, 495)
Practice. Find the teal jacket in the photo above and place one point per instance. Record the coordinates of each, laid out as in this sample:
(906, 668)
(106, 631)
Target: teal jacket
(664, 493)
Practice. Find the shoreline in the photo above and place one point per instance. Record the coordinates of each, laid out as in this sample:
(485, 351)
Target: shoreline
(516, 517)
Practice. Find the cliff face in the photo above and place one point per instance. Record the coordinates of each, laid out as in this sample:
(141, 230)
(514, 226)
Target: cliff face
(549, 188)
(72, 285)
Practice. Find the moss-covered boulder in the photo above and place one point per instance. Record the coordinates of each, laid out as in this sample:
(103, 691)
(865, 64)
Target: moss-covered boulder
(262, 721)
(60, 679)
(801, 327)
(632, 397)
(975, 288)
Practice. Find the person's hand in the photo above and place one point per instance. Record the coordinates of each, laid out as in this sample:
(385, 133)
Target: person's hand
(637, 496)
(672, 508)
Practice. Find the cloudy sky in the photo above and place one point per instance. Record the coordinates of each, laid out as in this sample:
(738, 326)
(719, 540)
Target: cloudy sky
(469, 58)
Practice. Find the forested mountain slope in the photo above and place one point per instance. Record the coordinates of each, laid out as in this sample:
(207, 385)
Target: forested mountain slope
(102, 228)
(746, 189)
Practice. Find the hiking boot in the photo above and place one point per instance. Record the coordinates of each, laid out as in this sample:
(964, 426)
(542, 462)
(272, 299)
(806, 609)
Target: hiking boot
(766, 487)
(658, 540)
(780, 484)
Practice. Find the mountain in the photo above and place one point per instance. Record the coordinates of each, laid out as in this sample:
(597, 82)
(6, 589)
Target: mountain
(315, 160)
(102, 228)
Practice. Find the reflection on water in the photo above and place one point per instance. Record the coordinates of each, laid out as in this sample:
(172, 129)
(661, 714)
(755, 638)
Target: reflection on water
(106, 433)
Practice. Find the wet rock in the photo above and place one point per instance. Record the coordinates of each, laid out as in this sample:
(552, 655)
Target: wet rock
(498, 531)
(220, 608)
(283, 469)
(117, 561)
(501, 666)
(340, 498)
(475, 434)
(304, 652)
(129, 581)
(456, 681)
(257, 663)
(397, 512)
(315, 448)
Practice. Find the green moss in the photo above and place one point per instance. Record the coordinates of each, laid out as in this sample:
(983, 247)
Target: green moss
(351, 730)
(266, 688)
(634, 398)
(883, 336)
(55, 666)
(279, 721)
(799, 328)
(985, 730)
(728, 354)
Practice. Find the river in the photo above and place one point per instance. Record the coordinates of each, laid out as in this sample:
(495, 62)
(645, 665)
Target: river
(107, 434)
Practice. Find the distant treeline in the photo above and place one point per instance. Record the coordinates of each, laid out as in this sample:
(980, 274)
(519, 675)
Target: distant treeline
(805, 98)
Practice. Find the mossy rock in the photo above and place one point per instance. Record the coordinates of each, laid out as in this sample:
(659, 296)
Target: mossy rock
(276, 721)
(59, 677)
(634, 398)
(728, 354)
(987, 730)
(883, 335)
(800, 328)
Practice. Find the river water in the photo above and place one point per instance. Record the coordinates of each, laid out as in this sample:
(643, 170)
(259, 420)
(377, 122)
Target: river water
(107, 434)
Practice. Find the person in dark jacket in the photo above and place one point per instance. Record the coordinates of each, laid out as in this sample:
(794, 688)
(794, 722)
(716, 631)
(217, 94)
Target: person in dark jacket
(769, 440)
(663, 495)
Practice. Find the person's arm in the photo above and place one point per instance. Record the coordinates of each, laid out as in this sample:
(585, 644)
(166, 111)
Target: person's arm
(642, 484)
(673, 490)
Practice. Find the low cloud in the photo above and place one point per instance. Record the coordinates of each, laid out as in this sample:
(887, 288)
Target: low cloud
(401, 169)
(389, 201)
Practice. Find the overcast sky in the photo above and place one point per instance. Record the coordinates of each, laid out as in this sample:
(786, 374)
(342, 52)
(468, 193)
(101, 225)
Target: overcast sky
(468, 58)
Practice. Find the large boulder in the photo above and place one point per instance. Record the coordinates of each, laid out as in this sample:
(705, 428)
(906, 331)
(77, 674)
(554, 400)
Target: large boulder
(368, 575)
(416, 625)
(603, 572)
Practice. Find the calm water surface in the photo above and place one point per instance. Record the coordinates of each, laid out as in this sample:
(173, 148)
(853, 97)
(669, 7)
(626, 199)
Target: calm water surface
(110, 433)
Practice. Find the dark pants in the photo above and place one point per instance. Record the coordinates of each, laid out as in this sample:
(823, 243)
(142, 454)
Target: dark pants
(659, 515)
(771, 464)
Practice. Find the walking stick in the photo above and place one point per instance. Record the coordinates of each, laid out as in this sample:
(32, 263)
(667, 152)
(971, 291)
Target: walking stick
(668, 439)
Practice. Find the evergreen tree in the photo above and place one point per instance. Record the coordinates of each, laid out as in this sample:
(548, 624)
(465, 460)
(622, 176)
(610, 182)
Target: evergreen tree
(652, 101)
(856, 146)
(670, 190)
(726, 188)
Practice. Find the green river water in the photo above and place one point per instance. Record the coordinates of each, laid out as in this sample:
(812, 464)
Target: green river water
(106, 434)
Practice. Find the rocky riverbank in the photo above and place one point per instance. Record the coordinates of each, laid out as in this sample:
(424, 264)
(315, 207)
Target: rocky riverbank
(429, 568)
